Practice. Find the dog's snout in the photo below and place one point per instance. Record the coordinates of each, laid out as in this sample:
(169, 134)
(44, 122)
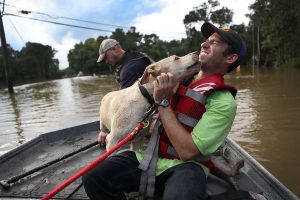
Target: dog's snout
(196, 55)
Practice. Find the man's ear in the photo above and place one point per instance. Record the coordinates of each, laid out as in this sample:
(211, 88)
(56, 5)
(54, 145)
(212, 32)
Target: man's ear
(230, 59)
(151, 70)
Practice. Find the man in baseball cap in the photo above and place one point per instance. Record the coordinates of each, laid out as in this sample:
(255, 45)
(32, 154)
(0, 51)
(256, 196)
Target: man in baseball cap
(106, 45)
(129, 66)
(237, 45)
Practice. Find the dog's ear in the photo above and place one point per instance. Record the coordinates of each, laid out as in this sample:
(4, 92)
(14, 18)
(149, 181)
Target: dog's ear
(151, 70)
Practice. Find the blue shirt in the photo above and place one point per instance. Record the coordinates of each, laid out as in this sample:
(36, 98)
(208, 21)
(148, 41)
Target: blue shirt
(132, 67)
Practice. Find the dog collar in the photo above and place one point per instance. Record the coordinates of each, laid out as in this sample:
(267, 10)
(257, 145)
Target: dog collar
(146, 94)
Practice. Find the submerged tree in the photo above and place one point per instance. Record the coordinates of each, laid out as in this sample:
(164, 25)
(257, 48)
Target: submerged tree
(40, 58)
(34, 61)
(276, 24)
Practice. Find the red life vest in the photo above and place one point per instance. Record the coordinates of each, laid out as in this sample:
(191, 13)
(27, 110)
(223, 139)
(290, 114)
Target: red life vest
(189, 105)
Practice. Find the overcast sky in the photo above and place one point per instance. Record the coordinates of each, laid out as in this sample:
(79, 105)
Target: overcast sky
(162, 17)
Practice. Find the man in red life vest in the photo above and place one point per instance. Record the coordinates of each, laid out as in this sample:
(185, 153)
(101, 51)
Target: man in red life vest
(196, 121)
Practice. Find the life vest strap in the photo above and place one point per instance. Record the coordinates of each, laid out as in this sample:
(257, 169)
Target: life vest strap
(148, 165)
(195, 95)
(171, 151)
(187, 120)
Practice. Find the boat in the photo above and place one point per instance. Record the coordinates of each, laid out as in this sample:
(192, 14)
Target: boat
(79, 142)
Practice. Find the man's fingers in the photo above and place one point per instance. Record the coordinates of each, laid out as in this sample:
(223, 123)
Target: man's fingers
(99, 138)
(102, 138)
(162, 79)
(170, 77)
(163, 86)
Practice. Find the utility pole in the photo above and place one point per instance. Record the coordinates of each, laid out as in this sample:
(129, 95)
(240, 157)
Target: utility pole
(5, 57)
(253, 49)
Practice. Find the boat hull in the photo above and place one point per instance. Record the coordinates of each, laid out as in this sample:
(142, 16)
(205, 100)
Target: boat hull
(50, 146)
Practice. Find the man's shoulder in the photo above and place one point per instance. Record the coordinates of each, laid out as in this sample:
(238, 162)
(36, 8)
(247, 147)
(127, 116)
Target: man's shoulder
(136, 62)
(221, 99)
(221, 95)
(136, 58)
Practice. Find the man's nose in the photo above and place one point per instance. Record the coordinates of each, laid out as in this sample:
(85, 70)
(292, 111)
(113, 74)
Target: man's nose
(205, 44)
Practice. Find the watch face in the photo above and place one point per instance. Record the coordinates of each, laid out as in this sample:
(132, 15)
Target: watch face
(164, 103)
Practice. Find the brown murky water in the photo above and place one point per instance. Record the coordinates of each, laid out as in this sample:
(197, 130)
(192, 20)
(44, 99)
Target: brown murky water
(267, 124)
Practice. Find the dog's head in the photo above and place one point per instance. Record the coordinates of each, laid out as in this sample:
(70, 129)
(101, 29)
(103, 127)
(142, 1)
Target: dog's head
(180, 67)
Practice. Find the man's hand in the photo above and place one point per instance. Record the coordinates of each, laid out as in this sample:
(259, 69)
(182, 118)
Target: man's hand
(164, 87)
(102, 138)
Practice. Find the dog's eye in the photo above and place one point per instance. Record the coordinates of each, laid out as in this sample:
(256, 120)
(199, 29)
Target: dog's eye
(176, 58)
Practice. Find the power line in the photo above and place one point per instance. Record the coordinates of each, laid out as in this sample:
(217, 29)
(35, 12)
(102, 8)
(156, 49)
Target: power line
(20, 10)
(16, 30)
(80, 20)
(93, 22)
(70, 25)
(99, 23)
(58, 23)
(5, 4)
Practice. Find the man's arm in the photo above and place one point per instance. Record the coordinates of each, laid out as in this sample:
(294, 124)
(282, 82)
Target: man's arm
(181, 140)
(209, 133)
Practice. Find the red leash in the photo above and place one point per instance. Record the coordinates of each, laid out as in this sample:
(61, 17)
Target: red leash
(94, 163)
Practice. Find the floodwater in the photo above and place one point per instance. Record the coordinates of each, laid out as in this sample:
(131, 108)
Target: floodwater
(267, 124)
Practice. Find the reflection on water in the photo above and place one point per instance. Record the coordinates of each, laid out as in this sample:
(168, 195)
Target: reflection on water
(267, 121)
(266, 125)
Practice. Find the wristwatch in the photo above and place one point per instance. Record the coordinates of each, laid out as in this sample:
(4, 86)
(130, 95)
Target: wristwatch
(164, 103)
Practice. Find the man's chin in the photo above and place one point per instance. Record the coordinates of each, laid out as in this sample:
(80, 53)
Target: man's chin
(204, 67)
(202, 58)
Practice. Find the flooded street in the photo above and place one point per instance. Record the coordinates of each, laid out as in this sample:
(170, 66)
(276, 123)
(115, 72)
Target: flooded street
(267, 124)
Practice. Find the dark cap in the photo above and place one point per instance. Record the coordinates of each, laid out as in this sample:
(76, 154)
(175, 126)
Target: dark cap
(230, 37)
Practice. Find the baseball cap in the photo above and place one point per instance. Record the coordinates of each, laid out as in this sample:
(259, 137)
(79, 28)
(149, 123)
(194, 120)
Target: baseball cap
(230, 37)
(105, 46)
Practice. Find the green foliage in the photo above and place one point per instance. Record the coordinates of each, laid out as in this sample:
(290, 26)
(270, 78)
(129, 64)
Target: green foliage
(208, 12)
(40, 57)
(34, 62)
(279, 23)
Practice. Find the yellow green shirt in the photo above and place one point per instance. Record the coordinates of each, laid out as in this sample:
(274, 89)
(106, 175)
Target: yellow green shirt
(211, 130)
